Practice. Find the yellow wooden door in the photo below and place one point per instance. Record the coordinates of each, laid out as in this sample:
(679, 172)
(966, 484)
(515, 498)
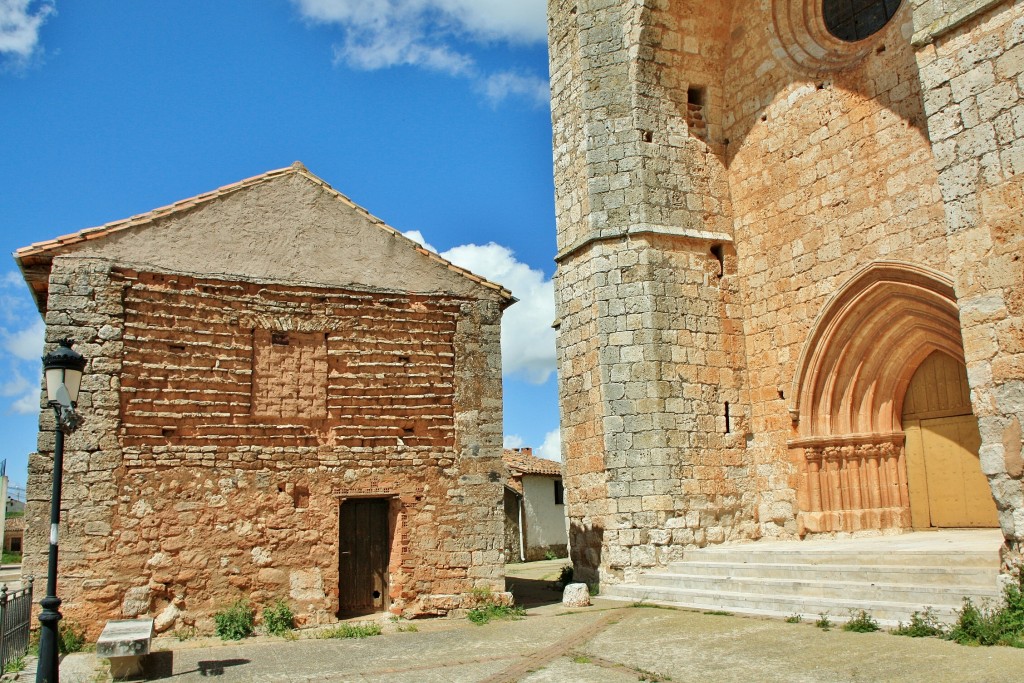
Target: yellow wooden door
(945, 482)
(958, 492)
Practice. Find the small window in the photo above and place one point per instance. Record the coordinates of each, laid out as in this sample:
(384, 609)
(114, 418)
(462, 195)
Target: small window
(559, 493)
(853, 20)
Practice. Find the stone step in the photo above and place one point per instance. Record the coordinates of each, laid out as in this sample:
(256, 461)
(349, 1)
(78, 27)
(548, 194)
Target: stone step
(975, 576)
(887, 613)
(800, 555)
(907, 592)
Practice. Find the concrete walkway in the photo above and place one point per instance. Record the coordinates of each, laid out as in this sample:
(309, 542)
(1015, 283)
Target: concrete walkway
(599, 645)
(606, 643)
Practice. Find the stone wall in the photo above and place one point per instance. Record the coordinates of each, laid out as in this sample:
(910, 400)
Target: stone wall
(227, 420)
(972, 74)
(650, 358)
(724, 176)
(830, 170)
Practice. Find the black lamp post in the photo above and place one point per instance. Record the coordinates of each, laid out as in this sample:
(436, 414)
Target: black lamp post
(63, 368)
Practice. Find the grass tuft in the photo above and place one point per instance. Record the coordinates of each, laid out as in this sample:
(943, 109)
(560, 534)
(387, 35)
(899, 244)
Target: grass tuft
(486, 613)
(363, 629)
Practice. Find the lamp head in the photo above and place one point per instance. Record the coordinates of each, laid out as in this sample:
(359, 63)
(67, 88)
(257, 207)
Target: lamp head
(63, 367)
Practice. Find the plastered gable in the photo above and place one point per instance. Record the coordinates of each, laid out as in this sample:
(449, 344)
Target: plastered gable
(290, 227)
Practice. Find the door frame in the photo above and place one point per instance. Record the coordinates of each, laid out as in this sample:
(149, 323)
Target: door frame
(390, 522)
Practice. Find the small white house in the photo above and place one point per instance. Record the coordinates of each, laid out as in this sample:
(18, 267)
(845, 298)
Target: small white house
(535, 521)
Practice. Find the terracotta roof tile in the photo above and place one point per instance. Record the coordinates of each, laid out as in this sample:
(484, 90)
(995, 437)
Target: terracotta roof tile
(523, 461)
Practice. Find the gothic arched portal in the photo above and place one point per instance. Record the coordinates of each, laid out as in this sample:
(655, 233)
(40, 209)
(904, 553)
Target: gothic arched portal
(849, 402)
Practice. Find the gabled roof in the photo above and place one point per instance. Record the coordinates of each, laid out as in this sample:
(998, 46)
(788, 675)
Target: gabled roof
(521, 461)
(35, 260)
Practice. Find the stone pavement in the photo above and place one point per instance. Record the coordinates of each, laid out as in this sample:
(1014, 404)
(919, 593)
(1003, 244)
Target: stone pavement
(606, 643)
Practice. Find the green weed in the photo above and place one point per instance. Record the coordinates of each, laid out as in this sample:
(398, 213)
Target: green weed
(15, 665)
(70, 637)
(861, 622)
(718, 613)
(794, 619)
(278, 618)
(823, 622)
(565, 575)
(235, 622)
(487, 613)
(922, 625)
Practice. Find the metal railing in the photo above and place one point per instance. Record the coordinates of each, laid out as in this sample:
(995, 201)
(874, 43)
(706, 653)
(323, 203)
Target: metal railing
(15, 620)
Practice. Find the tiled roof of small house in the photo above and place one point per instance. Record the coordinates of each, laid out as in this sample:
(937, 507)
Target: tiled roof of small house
(34, 260)
(522, 461)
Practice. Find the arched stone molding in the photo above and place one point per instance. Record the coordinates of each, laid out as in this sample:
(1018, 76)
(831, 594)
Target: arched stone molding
(848, 392)
(865, 345)
(799, 35)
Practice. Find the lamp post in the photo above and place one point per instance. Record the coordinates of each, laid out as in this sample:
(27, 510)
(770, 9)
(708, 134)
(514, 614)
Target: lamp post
(63, 368)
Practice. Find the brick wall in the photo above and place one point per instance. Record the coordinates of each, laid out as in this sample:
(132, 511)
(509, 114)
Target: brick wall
(226, 420)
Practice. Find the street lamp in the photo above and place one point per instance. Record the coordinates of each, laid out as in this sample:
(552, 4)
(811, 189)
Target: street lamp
(63, 368)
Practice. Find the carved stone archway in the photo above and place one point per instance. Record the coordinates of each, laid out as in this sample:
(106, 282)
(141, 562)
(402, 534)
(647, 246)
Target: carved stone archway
(848, 392)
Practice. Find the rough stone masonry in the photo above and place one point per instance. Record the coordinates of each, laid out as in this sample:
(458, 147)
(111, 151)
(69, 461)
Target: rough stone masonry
(765, 230)
(259, 358)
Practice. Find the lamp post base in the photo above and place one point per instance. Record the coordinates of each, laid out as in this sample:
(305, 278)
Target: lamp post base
(49, 654)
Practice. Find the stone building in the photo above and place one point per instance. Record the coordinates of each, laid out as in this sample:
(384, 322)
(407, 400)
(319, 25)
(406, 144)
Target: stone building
(284, 398)
(789, 283)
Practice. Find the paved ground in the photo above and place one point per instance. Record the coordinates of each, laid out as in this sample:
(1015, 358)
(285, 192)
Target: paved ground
(606, 643)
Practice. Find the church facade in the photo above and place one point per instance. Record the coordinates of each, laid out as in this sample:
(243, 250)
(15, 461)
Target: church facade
(790, 289)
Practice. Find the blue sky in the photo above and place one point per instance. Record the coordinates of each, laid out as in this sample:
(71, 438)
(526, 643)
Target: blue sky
(432, 114)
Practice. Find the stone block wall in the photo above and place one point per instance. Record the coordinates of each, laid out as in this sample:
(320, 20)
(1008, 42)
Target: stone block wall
(227, 420)
(820, 161)
(649, 350)
(972, 75)
(830, 170)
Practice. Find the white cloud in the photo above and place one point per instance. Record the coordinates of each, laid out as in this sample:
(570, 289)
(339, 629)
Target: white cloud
(552, 446)
(527, 340)
(24, 393)
(14, 385)
(500, 86)
(432, 34)
(417, 236)
(21, 344)
(19, 26)
(26, 343)
(512, 441)
(27, 403)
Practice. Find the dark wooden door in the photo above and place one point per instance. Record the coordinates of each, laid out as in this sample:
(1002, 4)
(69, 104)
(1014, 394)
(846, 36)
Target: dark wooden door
(364, 552)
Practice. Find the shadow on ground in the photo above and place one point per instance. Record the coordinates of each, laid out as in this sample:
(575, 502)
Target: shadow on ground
(533, 592)
(160, 665)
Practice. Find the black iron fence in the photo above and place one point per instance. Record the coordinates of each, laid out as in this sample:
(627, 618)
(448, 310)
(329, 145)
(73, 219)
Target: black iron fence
(15, 619)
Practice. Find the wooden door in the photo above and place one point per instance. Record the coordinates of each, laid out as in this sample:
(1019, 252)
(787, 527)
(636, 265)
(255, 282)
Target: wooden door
(946, 485)
(958, 492)
(364, 549)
